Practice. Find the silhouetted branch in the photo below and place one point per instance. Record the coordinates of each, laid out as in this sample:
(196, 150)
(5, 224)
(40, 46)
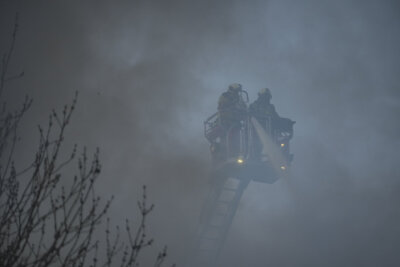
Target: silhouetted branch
(46, 219)
(7, 58)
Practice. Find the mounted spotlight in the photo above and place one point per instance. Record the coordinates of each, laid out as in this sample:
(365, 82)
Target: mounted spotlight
(240, 160)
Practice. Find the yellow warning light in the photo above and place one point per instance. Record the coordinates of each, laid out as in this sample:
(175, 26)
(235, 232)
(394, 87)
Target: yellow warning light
(240, 161)
(283, 144)
(283, 167)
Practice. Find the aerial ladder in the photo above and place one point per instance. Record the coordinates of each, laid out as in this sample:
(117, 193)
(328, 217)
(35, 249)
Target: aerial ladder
(218, 215)
(247, 151)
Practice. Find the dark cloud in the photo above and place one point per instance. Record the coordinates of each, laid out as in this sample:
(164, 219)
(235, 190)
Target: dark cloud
(150, 72)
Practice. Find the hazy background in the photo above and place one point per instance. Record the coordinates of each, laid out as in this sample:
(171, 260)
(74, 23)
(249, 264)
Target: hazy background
(148, 74)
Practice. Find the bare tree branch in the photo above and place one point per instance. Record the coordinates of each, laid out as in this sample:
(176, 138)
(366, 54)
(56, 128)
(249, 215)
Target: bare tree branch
(47, 218)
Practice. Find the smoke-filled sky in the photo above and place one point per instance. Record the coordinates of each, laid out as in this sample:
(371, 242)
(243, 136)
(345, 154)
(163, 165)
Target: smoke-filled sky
(149, 73)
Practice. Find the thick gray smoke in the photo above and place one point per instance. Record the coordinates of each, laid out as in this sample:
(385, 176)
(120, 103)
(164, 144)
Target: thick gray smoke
(150, 72)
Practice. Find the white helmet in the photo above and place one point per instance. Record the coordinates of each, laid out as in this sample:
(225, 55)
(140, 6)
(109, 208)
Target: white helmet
(236, 87)
(265, 91)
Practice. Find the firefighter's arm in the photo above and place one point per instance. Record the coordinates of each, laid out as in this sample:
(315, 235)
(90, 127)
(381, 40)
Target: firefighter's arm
(221, 101)
(274, 113)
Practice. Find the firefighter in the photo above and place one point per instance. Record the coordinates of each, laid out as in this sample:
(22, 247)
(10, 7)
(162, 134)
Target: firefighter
(231, 106)
(231, 111)
(263, 110)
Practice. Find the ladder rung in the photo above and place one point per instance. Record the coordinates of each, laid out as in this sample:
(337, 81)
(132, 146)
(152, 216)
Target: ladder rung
(218, 216)
(215, 225)
(207, 250)
(209, 247)
(211, 238)
(224, 202)
(229, 189)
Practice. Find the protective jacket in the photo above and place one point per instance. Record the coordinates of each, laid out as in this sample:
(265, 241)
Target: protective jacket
(231, 108)
(261, 109)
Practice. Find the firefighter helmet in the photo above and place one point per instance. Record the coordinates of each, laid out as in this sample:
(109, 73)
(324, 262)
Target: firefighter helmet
(235, 87)
(265, 92)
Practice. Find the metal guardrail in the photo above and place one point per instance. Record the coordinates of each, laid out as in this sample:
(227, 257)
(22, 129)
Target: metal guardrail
(210, 124)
